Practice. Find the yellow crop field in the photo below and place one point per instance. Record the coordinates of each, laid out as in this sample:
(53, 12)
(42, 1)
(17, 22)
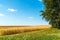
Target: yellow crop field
(8, 30)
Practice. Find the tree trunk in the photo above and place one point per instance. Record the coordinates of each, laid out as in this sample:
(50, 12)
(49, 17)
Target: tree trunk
(59, 24)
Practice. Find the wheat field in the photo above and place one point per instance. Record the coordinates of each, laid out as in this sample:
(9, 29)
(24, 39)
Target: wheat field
(8, 30)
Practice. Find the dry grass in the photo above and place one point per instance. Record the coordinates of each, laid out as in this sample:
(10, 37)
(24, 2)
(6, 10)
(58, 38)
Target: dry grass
(7, 30)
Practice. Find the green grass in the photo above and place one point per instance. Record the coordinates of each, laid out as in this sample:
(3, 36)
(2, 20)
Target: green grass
(50, 34)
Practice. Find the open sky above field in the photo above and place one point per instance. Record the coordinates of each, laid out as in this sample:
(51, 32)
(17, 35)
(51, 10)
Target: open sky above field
(21, 12)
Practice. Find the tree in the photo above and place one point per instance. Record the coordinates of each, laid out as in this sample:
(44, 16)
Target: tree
(52, 12)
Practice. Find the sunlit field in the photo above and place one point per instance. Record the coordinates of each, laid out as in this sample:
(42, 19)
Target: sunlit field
(8, 30)
(42, 34)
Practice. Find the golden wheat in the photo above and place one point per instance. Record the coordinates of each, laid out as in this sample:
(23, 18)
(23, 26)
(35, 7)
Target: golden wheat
(7, 30)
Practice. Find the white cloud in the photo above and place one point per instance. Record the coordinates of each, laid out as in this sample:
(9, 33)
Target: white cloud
(2, 14)
(11, 10)
(40, 0)
(30, 17)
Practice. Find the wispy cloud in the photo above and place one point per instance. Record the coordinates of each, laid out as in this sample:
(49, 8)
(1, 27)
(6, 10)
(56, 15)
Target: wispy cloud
(40, 0)
(11, 10)
(2, 14)
(30, 17)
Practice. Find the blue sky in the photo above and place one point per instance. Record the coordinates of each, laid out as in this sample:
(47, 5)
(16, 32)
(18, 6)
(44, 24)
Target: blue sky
(21, 12)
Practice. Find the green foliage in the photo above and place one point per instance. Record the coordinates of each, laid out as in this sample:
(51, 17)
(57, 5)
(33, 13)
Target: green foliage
(52, 12)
